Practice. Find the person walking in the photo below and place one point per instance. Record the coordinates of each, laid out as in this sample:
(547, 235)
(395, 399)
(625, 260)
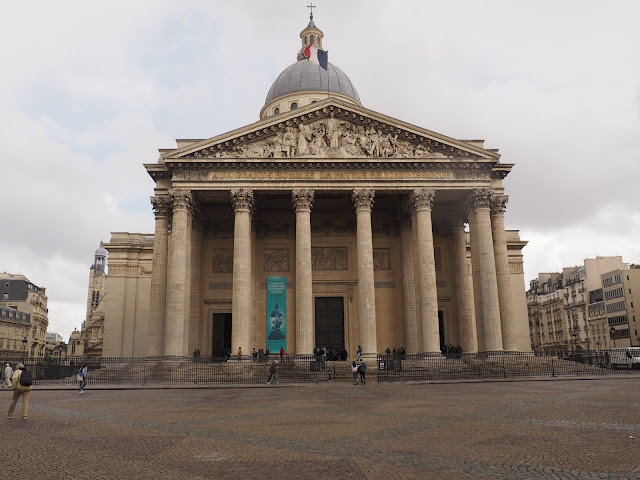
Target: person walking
(82, 377)
(359, 352)
(281, 354)
(362, 368)
(8, 373)
(354, 370)
(273, 373)
(239, 353)
(19, 390)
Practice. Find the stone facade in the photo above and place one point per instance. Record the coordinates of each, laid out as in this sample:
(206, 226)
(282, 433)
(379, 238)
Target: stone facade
(19, 294)
(345, 203)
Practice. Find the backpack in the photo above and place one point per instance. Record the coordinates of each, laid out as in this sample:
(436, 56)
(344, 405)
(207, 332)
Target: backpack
(25, 378)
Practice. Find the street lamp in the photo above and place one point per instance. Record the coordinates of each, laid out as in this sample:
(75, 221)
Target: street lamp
(24, 348)
(613, 332)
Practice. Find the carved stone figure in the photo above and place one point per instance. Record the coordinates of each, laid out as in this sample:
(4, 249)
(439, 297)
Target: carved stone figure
(304, 137)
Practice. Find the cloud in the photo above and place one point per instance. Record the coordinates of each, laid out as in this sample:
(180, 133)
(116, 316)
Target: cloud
(92, 92)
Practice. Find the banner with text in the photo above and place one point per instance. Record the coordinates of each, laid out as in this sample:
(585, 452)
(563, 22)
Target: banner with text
(276, 314)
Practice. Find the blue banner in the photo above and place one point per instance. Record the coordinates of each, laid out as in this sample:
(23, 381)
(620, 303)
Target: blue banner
(276, 314)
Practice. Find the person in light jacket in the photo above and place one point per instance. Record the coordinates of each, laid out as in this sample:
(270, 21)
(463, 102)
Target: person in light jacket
(8, 374)
(19, 391)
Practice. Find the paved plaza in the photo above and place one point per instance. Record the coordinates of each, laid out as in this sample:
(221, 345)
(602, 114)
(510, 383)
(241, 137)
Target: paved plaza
(562, 429)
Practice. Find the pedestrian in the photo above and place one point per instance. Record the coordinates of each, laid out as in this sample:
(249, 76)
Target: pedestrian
(354, 370)
(195, 356)
(273, 372)
(239, 353)
(19, 390)
(359, 352)
(282, 354)
(82, 376)
(254, 354)
(8, 373)
(363, 372)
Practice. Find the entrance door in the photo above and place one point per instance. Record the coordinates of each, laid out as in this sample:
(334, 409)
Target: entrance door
(330, 322)
(221, 342)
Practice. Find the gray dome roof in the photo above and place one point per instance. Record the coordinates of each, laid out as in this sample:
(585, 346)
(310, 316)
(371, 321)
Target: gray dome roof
(101, 251)
(305, 76)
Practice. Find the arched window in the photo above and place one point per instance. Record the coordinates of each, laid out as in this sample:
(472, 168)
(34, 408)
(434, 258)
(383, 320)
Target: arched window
(276, 110)
(294, 105)
(305, 40)
(312, 39)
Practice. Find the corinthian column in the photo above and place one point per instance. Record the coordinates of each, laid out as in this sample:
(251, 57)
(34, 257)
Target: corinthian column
(464, 293)
(177, 275)
(426, 268)
(305, 331)
(498, 207)
(408, 284)
(241, 295)
(161, 207)
(363, 202)
(480, 201)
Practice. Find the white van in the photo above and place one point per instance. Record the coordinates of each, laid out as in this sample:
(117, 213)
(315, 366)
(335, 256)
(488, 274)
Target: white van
(628, 357)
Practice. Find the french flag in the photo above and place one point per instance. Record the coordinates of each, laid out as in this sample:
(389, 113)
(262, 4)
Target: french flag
(317, 56)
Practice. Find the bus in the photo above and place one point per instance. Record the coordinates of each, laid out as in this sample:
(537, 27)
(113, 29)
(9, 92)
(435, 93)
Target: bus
(627, 357)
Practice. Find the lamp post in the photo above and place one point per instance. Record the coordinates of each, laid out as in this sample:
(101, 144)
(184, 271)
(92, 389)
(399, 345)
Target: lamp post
(613, 332)
(24, 349)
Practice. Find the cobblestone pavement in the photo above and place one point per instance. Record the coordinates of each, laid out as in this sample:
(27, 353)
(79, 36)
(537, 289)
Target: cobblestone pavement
(579, 429)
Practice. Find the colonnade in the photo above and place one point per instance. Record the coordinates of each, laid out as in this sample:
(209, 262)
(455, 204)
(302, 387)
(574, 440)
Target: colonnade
(483, 300)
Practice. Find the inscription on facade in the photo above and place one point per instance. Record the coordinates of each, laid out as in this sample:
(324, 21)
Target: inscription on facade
(329, 258)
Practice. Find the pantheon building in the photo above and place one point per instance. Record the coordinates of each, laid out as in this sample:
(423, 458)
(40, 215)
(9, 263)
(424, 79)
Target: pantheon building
(323, 224)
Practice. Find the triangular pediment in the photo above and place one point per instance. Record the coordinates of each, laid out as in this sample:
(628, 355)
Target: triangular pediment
(331, 128)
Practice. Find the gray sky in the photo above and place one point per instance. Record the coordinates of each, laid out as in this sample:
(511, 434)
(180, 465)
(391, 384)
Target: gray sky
(89, 92)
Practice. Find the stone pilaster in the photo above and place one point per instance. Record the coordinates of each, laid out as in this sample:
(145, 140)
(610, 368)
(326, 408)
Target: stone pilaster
(480, 203)
(162, 208)
(196, 325)
(411, 332)
(177, 274)
(426, 267)
(507, 320)
(241, 294)
(363, 202)
(467, 334)
(305, 329)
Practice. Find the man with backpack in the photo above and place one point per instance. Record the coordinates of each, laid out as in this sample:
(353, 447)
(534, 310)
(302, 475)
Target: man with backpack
(21, 383)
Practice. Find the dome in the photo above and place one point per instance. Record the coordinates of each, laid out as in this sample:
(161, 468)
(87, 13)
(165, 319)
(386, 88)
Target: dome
(101, 251)
(305, 76)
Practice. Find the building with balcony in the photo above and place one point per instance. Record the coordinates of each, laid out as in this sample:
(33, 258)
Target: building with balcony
(620, 308)
(18, 293)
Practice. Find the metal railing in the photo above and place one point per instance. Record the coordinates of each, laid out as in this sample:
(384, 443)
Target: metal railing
(136, 370)
(493, 366)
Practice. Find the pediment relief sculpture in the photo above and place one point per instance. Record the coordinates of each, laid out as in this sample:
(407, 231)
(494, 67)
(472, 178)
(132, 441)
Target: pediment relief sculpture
(331, 138)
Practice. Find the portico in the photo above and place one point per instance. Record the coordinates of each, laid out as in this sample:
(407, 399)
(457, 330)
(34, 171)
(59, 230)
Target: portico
(344, 203)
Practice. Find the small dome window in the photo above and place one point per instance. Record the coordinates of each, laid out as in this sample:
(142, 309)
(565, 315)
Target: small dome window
(312, 39)
(276, 110)
(294, 105)
(305, 40)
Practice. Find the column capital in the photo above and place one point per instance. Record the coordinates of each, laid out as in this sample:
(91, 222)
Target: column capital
(161, 205)
(363, 198)
(181, 199)
(499, 204)
(423, 198)
(302, 198)
(479, 198)
(242, 199)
